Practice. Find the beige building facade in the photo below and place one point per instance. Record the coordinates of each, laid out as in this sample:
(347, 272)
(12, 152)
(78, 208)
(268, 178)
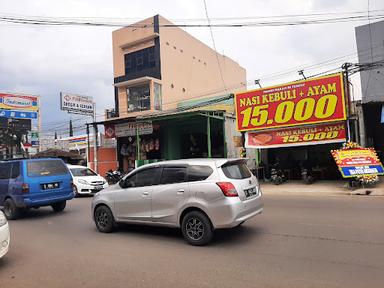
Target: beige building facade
(158, 65)
(173, 96)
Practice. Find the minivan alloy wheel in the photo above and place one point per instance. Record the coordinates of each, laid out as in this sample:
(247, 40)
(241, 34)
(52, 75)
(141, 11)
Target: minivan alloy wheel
(195, 228)
(102, 218)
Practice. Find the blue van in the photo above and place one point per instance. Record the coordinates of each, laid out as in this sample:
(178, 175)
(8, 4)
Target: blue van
(31, 183)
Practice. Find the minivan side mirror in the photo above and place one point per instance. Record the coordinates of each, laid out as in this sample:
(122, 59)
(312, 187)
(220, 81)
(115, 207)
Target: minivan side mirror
(125, 183)
(122, 184)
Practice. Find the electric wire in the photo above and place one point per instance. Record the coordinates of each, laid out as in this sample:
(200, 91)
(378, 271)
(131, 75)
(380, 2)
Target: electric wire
(214, 45)
(29, 20)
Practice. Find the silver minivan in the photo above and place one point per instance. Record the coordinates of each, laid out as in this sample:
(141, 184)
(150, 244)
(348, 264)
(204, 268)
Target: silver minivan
(196, 195)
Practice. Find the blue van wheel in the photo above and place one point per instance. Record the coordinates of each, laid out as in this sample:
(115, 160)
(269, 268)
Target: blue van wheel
(59, 206)
(10, 210)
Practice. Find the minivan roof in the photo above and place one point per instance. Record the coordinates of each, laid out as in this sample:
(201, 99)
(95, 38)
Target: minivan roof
(28, 159)
(218, 162)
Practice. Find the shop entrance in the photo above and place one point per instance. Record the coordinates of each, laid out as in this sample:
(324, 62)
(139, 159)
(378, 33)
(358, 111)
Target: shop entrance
(318, 158)
(185, 135)
(197, 136)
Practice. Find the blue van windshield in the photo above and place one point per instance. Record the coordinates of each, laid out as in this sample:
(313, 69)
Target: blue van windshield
(46, 168)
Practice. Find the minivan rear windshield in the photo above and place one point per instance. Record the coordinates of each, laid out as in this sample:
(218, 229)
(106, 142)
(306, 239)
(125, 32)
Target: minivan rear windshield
(237, 170)
(46, 168)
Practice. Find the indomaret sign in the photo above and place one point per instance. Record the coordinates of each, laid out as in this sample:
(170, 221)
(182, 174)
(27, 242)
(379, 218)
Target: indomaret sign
(311, 101)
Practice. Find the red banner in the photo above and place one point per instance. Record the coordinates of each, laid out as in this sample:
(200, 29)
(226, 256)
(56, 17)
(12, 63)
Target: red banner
(317, 100)
(309, 135)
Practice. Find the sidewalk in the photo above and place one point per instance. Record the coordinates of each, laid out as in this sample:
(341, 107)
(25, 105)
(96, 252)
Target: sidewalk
(298, 187)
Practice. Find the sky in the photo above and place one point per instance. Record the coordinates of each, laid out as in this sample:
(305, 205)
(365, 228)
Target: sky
(45, 60)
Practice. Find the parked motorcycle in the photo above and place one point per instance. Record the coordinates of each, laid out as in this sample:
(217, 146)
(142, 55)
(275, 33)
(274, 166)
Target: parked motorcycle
(307, 176)
(113, 176)
(277, 175)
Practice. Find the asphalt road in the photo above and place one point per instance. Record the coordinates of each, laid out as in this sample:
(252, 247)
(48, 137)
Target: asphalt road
(299, 241)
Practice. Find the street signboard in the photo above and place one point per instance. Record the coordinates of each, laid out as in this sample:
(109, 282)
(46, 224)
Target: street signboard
(18, 114)
(358, 161)
(109, 130)
(15, 124)
(18, 102)
(310, 101)
(76, 104)
(296, 136)
(33, 138)
(131, 128)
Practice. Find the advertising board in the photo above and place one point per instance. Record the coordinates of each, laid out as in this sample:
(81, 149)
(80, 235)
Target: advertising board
(131, 128)
(310, 101)
(17, 102)
(20, 125)
(18, 114)
(296, 136)
(358, 161)
(76, 104)
(109, 130)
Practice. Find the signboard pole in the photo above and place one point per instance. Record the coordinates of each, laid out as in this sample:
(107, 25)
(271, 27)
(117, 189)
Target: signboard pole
(88, 147)
(39, 123)
(95, 139)
(348, 100)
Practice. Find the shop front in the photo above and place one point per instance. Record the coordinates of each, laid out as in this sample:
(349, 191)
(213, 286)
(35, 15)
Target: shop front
(171, 135)
(295, 126)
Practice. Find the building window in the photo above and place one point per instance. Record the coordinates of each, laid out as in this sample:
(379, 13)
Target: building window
(140, 60)
(157, 96)
(138, 98)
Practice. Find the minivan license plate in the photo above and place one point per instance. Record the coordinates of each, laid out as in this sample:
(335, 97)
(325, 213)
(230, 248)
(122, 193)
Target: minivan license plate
(48, 186)
(250, 192)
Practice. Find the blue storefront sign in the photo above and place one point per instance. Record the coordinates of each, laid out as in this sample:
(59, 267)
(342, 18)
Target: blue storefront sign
(382, 114)
(18, 114)
(353, 171)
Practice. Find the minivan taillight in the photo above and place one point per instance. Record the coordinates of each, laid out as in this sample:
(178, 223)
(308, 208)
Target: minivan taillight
(228, 189)
(25, 188)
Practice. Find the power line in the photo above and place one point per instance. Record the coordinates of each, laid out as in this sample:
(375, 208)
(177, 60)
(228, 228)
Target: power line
(214, 45)
(370, 44)
(38, 20)
(121, 21)
(293, 70)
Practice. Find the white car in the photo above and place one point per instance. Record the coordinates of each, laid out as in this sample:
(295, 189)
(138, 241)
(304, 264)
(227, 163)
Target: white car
(86, 180)
(4, 235)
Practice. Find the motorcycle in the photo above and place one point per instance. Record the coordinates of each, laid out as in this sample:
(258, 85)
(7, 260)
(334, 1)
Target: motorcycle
(277, 175)
(113, 176)
(306, 176)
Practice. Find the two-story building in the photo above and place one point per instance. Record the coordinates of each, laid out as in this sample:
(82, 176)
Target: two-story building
(370, 48)
(173, 95)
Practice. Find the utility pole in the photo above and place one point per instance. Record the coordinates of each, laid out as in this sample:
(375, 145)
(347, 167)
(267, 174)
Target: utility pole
(70, 128)
(346, 66)
(95, 164)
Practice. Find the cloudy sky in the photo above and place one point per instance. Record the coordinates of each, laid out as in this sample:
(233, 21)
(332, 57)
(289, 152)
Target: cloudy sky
(44, 60)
